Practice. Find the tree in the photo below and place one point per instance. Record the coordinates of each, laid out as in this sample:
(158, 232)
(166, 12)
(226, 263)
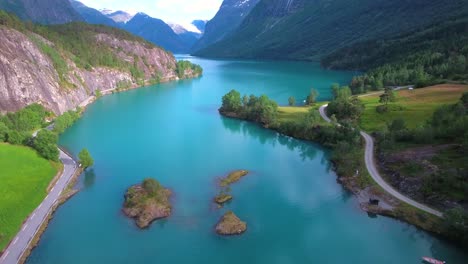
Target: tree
(151, 185)
(3, 132)
(231, 102)
(292, 101)
(46, 144)
(311, 119)
(14, 137)
(312, 97)
(85, 158)
(387, 96)
(245, 100)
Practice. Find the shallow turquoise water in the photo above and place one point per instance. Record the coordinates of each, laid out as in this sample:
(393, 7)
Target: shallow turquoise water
(295, 210)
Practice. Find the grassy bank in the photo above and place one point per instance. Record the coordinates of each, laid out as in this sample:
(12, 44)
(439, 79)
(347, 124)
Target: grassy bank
(24, 176)
(414, 106)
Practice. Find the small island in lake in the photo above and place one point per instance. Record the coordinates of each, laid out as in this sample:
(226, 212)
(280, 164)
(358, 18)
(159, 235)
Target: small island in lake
(233, 177)
(230, 224)
(221, 198)
(224, 195)
(147, 202)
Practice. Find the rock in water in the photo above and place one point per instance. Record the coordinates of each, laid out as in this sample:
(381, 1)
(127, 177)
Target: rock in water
(222, 198)
(147, 202)
(230, 224)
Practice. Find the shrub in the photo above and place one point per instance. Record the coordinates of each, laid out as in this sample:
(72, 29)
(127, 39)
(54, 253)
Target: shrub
(46, 144)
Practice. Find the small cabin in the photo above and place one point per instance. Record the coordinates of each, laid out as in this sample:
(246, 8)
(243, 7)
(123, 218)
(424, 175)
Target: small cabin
(374, 201)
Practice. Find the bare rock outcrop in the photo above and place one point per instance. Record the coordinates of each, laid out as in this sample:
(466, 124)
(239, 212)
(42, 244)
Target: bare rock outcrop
(27, 75)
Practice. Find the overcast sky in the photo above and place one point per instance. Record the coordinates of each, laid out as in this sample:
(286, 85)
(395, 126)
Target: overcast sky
(177, 11)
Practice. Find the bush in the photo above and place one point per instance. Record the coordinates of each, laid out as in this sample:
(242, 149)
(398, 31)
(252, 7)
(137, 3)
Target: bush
(151, 185)
(46, 144)
(381, 109)
(66, 120)
(17, 138)
(3, 132)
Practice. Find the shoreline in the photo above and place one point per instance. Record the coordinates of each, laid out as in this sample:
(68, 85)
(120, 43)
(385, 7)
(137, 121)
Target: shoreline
(68, 192)
(389, 206)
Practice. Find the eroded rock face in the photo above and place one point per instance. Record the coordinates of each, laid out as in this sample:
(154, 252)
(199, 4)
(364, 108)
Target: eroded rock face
(28, 76)
(230, 224)
(145, 208)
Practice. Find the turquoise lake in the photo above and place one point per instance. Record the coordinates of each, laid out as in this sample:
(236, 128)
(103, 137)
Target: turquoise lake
(295, 210)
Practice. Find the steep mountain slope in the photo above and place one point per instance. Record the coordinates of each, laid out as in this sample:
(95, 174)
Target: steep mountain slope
(61, 66)
(42, 11)
(309, 29)
(200, 25)
(120, 17)
(155, 31)
(92, 16)
(230, 15)
(187, 37)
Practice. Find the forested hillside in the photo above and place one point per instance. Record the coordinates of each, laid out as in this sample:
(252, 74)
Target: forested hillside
(311, 29)
(432, 55)
(44, 11)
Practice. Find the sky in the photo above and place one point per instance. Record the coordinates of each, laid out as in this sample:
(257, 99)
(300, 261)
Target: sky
(171, 11)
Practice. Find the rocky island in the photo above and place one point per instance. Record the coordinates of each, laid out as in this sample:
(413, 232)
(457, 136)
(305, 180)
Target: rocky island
(230, 224)
(221, 198)
(147, 202)
(233, 177)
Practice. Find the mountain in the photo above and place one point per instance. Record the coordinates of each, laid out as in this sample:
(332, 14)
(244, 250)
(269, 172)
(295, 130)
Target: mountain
(61, 66)
(120, 17)
(228, 18)
(45, 12)
(188, 37)
(310, 29)
(91, 15)
(200, 25)
(156, 31)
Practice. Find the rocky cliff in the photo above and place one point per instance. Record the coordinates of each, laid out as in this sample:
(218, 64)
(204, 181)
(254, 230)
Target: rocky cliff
(29, 69)
(227, 19)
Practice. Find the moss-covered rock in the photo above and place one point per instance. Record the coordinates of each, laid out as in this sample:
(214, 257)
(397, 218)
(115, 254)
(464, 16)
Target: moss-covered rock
(222, 198)
(230, 224)
(147, 202)
(233, 177)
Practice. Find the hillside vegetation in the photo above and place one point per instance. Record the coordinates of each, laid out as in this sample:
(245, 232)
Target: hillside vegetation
(308, 30)
(435, 54)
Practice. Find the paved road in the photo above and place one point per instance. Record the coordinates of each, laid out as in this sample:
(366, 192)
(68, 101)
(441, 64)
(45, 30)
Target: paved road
(370, 165)
(21, 241)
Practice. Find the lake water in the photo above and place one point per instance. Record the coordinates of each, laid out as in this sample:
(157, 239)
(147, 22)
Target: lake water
(295, 210)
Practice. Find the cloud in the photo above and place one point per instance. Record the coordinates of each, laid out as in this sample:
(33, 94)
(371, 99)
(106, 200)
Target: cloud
(177, 11)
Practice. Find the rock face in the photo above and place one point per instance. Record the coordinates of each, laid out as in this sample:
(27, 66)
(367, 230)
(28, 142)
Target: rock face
(43, 11)
(230, 224)
(229, 17)
(27, 75)
(145, 207)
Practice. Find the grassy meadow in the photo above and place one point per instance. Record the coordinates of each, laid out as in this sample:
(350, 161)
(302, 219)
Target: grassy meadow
(24, 177)
(414, 106)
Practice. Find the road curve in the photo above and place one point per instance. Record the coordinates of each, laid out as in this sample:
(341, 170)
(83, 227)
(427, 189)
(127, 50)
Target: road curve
(371, 167)
(21, 241)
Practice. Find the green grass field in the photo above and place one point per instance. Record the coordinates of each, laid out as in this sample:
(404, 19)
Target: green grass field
(417, 106)
(24, 177)
(295, 113)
